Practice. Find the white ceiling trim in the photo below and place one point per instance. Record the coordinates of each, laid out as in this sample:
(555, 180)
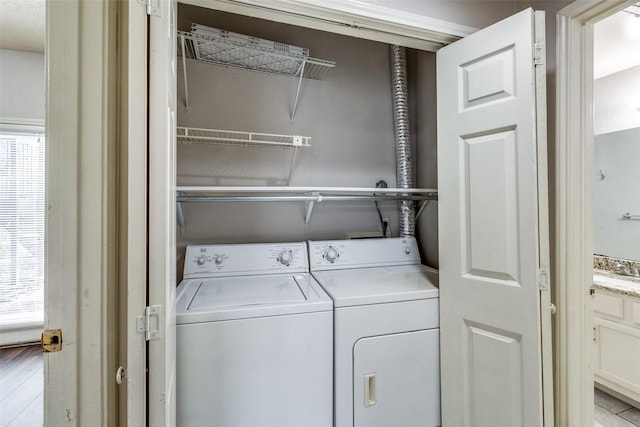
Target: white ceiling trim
(349, 17)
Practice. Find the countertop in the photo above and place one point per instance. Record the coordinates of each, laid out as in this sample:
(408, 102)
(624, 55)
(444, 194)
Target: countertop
(603, 279)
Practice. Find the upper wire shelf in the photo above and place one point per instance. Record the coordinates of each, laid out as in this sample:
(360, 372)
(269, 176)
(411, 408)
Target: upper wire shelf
(221, 47)
(250, 53)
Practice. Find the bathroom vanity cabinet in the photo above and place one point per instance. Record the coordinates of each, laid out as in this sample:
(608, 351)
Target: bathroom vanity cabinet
(617, 339)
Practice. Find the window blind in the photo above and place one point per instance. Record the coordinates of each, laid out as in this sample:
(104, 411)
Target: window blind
(22, 190)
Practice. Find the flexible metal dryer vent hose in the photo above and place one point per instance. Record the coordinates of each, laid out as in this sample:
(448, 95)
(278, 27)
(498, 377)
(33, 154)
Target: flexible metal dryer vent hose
(401, 127)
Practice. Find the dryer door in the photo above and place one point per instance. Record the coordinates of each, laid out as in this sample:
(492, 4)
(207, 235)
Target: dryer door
(396, 380)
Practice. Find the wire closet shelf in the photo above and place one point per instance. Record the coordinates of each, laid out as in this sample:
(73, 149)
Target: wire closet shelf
(188, 135)
(221, 47)
(309, 195)
(251, 53)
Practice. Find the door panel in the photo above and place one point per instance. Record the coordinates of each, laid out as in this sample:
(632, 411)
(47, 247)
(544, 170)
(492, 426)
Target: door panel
(490, 241)
(488, 79)
(488, 224)
(396, 380)
(488, 351)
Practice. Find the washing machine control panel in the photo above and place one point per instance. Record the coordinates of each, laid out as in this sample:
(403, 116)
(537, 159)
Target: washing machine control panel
(259, 258)
(342, 254)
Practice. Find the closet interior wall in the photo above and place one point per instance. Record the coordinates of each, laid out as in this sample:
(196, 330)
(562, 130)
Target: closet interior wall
(347, 114)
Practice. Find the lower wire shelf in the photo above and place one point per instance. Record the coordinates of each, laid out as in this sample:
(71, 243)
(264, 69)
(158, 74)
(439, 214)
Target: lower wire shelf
(309, 195)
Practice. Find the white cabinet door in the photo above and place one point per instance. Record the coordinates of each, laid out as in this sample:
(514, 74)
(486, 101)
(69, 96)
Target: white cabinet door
(396, 380)
(162, 208)
(492, 254)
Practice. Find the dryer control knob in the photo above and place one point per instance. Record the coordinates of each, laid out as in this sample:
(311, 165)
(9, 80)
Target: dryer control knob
(330, 255)
(201, 260)
(406, 250)
(285, 257)
(218, 259)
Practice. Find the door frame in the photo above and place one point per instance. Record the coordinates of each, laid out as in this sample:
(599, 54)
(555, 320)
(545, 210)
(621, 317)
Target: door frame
(81, 227)
(96, 190)
(574, 200)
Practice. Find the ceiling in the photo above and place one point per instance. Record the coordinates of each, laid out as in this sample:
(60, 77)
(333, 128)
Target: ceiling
(22, 25)
(616, 39)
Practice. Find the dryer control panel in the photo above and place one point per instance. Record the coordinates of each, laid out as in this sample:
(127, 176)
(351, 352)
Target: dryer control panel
(245, 259)
(360, 253)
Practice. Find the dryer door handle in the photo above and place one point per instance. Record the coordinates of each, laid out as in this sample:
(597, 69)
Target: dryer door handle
(369, 390)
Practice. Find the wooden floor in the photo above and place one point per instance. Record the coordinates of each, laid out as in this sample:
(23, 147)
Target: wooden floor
(21, 387)
(21, 393)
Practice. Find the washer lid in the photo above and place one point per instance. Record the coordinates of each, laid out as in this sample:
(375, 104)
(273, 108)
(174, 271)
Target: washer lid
(364, 286)
(245, 297)
(241, 291)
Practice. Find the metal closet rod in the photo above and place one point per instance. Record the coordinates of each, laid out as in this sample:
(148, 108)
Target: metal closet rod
(308, 198)
(311, 194)
(281, 189)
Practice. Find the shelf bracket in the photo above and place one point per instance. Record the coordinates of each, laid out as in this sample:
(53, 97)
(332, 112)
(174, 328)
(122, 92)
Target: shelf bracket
(184, 73)
(293, 160)
(310, 205)
(180, 213)
(295, 101)
(422, 206)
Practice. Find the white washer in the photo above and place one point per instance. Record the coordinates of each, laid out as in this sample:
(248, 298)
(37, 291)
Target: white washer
(254, 339)
(386, 331)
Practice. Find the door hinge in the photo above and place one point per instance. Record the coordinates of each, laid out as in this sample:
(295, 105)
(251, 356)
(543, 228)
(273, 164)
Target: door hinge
(51, 340)
(538, 53)
(151, 9)
(150, 322)
(543, 281)
(592, 291)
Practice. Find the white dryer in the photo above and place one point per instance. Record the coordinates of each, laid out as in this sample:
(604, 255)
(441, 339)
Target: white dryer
(254, 339)
(386, 331)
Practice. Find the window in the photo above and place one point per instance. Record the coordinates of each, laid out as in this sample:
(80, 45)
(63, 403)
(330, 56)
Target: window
(22, 189)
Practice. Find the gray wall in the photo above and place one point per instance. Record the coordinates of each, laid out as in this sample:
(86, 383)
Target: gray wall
(22, 85)
(347, 114)
(616, 101)
(617, 155)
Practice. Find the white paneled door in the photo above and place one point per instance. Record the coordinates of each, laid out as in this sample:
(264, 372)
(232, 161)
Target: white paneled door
(492, 227)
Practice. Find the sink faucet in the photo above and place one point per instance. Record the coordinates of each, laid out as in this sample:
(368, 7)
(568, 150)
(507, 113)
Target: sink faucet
(626, 271)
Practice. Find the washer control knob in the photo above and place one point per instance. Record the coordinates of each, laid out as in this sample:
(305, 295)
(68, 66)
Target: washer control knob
(406, 250)
(330, 255)
(201, 260)
(285, 257)
(218, 259)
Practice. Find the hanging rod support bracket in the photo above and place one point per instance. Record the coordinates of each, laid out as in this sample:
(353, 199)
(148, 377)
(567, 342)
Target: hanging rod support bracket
(310, 204)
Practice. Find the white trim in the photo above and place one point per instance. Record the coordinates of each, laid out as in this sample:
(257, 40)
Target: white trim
(544, 264)
(132, 196)
(80, 247)
(18, 123)
(574, 224)
(162, 213)
(351, 18)
(23, 334)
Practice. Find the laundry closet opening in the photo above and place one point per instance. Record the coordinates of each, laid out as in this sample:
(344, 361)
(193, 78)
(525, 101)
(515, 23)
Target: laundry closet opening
(345, 116)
